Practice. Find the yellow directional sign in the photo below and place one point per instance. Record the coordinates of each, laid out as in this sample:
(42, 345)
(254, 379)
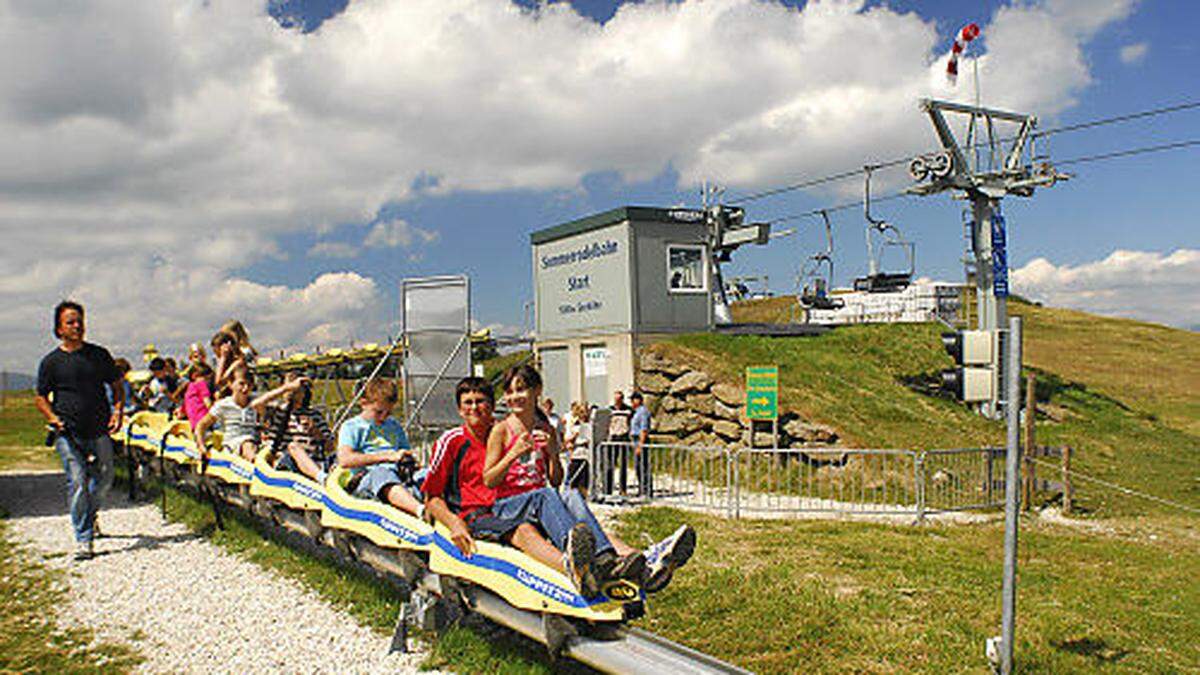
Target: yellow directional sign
(762, 392)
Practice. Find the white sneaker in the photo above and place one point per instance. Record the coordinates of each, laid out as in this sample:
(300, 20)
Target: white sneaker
(83, 550)
(668, 555)
(577, 559)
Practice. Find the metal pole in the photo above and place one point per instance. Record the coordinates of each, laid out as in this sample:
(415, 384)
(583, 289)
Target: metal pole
(1011, 497)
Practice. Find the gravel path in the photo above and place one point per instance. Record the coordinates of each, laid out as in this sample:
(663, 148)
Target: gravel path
(185, 604)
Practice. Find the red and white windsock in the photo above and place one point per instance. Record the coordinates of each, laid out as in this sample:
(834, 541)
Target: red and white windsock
(968, 33)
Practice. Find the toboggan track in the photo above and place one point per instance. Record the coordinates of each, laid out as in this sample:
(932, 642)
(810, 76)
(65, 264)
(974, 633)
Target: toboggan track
(433, 599)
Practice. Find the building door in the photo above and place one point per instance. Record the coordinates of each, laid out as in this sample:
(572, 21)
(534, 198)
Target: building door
(556, 377)
(595, 375)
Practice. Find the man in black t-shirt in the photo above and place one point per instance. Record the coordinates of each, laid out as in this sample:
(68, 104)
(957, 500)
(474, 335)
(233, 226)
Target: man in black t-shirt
(618, 436)
(75, 374)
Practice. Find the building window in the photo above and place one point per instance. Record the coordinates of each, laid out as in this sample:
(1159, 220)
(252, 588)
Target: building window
(686, 271)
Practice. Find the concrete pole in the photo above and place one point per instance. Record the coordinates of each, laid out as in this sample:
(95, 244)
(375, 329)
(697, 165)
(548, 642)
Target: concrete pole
(1012, 477)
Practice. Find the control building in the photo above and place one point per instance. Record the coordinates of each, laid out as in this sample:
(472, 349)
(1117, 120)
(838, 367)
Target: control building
(608, 283)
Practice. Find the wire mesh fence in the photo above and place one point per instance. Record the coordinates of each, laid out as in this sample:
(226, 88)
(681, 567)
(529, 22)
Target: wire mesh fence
(771, 481)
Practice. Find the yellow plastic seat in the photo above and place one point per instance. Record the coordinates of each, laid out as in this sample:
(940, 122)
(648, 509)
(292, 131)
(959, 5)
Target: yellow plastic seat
(295, 490)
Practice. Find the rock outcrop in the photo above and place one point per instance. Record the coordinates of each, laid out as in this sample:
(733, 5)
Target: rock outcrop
(690, 407)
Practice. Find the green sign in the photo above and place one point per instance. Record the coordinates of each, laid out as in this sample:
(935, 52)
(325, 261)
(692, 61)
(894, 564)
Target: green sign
(762, 392)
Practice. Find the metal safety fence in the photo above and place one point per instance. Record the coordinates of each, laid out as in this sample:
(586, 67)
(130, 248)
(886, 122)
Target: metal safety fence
(758, 482)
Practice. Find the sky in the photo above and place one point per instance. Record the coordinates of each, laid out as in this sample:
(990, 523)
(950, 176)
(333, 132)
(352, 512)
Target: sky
(178, 163)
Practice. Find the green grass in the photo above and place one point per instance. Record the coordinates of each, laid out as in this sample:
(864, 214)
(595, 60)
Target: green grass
(22, 435)
(20, 421)
(834, 597)
(31, 639)
(1122, 393)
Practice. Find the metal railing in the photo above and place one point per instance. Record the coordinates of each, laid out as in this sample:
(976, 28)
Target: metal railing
(760, 482)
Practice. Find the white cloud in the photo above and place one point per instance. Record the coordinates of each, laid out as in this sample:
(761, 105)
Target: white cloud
(172, 305)
(397, 232)
(332, 249)
(186, 136)
(1136, 284)
(1134, 53)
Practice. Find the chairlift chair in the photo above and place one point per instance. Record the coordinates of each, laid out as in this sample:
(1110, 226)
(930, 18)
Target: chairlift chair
(815, 292)
(881, 237)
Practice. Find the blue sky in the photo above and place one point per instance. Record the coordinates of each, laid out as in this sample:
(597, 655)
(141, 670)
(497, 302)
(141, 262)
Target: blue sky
(287, 163)
(1138, 203)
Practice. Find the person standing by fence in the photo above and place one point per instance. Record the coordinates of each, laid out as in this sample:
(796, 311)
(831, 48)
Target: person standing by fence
(639, 434)
(618, 447)
(81, 417)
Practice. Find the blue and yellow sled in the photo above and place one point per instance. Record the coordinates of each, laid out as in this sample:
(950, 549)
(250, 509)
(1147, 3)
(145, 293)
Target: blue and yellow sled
(294, 490)
(145, 431)
(178, 444)
(229, 467)
(524, 582)
(379, 523)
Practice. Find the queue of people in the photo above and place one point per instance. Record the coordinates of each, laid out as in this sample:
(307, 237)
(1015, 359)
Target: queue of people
(495, 480)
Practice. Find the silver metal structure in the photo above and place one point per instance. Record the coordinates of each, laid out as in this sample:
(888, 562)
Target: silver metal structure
(728, 232)
(882, 235)
(1011, 497)
(815, 285)
(984, 172)
(436, 314)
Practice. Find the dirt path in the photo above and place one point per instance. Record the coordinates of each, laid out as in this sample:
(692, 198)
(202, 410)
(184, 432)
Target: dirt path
(185, 604)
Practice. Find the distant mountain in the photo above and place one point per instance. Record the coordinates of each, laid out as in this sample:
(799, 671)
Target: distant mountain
(17, 381)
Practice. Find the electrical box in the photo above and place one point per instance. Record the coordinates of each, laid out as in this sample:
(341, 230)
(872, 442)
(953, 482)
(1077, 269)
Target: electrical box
(971, 347)
(974, 352)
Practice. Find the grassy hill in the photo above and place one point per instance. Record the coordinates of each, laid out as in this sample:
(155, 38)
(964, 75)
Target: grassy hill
(1121, 392)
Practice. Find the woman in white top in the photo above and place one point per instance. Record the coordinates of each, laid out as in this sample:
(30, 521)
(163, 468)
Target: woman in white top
(577, 432)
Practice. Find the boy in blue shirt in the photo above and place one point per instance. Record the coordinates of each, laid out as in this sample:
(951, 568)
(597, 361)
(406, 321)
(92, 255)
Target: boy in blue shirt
(373, 445)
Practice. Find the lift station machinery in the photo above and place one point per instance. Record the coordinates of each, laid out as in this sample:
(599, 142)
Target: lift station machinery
(984, 169)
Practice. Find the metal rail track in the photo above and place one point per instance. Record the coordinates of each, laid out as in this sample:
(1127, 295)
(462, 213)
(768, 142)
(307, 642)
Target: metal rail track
(618, 650)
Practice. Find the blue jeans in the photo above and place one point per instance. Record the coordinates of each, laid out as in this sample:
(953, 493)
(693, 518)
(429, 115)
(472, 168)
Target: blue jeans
(88, 463)
(379, 476)
(543, 507)
(577, 505)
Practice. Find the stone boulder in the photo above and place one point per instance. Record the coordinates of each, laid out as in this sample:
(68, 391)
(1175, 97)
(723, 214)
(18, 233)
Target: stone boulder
(729, 394)
(726, 412)
(680, 423)
(729, 431)
(672, 404)
(700, 438)
(806, 432)
(651, 362)
(701, 403)
(653, 383)
(693, 381)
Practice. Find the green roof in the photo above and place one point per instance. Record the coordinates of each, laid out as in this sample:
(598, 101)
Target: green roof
(610, 217)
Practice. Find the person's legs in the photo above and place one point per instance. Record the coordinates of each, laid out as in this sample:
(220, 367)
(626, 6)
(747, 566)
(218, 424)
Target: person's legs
(102, 468)
(398, 496)
(303, 462)
(578, 508)
(645, 484)
(78, 497)
(248, 450)
(99, 453)
(578, 476)
(607, 454)
(383, 482)
(623, 449)
(527, 539)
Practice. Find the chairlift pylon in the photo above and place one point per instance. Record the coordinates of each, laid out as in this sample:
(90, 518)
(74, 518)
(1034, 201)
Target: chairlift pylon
(814, 293)
(881, 236)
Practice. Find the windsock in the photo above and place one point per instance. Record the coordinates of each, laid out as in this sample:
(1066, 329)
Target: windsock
(965, 35)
